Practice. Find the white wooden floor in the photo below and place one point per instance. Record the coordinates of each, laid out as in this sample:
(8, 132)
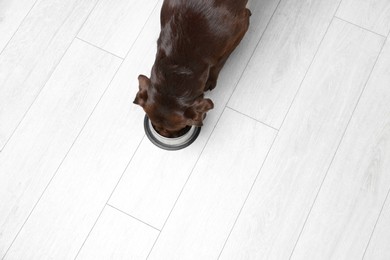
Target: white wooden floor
(293, 162)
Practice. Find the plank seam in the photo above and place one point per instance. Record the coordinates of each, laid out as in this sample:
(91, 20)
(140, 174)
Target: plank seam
(124, 171)
(247, 196)
(254, 119)
(101, 212)
(337, 149)
(253, 52)
(308, 69)
(361, 27)
(48, 77)
(219, 118)
(189, 176)
(17, 234)
(137, 219)
(17, 29)
(376, 223)
(97, 47)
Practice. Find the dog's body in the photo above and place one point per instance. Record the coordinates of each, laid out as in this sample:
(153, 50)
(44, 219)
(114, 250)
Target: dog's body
(196, 39)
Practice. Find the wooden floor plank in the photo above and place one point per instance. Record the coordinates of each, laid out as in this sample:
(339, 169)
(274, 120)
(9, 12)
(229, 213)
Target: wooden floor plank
(148, 190)
(118, 236)
(378, 247)
(78, 193)
(115, 24)
(46, 134)
(292, 206)
(280, 201)
(12, 14)
(373, 15)
(278, 66)
(32, 55)
(207, 208)
(352, 196)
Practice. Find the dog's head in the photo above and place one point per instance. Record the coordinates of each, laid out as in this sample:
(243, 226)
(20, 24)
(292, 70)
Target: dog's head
(168, 114)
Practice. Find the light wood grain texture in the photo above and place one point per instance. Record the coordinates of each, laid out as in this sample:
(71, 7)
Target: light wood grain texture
(351, 198)
(12, 14)
(47, 133)
(78, 193)
(32, 55)
(373, 15)
(278, 66)
(280, 201)
(151, 185)
(211, 200)
(115, 24)
(118, 236)
(59, 168)
(378, 247)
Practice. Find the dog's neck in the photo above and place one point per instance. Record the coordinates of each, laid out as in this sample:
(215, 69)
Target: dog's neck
(176, 80)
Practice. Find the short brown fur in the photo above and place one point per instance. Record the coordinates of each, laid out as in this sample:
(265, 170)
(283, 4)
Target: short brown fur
(196, 39)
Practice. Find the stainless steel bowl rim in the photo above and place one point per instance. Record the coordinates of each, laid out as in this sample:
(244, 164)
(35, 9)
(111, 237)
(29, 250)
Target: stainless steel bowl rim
(170, 143)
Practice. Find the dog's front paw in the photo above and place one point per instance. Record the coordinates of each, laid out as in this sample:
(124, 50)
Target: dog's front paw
(210, 85)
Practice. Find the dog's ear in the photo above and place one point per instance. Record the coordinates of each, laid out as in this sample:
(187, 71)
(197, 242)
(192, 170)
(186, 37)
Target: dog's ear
(142, 95)
(196, 113)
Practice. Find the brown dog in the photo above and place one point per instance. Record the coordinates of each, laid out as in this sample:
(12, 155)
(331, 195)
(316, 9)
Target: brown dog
(196, 39)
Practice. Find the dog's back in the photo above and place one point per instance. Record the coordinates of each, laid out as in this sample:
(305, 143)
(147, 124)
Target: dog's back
(200, 28)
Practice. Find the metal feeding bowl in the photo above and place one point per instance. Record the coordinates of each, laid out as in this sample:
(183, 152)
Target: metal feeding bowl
(171, 144)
